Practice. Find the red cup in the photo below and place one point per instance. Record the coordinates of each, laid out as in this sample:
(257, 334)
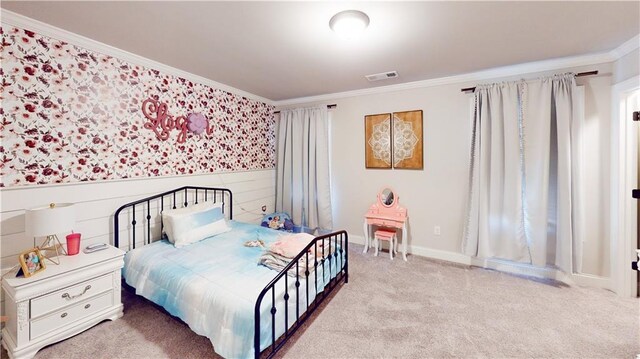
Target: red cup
(73, 244)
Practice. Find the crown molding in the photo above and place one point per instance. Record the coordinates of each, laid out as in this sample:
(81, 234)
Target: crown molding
(490, 74)
(626, 47)
(14, 19)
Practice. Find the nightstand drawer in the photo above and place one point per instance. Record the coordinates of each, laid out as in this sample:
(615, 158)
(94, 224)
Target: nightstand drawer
(70, 314)
(67, 296)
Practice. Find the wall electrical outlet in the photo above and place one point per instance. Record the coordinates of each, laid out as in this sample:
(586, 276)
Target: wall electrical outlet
(436, 230)
(264, 209)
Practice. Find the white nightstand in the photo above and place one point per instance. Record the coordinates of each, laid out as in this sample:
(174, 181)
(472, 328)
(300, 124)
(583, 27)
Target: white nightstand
(61, 301)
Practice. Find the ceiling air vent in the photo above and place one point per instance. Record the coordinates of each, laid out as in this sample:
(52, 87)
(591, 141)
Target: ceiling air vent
(382, 76)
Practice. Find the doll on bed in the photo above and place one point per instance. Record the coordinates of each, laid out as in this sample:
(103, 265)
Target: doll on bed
(279, 221)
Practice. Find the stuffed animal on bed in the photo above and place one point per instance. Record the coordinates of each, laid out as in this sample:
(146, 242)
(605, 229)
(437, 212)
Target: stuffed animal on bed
(279, 221)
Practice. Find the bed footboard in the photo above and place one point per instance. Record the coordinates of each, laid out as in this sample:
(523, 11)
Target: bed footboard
(332, 248)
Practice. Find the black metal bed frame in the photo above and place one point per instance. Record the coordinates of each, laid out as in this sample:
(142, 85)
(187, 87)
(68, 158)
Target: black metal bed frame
(339, 240)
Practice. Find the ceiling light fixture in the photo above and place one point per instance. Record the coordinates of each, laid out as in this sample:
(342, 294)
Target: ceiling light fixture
(349, 23)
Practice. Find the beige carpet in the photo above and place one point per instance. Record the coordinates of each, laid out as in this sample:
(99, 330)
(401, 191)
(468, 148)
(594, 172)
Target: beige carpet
(418, 309)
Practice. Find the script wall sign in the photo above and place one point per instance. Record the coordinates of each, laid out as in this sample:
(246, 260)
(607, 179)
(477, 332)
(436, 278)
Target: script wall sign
(161, 122)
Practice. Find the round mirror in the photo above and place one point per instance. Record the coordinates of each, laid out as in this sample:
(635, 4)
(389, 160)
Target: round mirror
(387, 197)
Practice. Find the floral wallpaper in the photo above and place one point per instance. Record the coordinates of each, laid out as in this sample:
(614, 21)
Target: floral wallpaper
(69, 115)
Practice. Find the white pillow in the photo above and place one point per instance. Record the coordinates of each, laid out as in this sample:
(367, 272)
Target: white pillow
(188, 225)
(203, 206)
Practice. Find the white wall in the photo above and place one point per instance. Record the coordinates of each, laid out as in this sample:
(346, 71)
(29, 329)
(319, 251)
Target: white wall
(437, 195)
(627, 66)
(96, 202)
(596, 156)
(433, 196)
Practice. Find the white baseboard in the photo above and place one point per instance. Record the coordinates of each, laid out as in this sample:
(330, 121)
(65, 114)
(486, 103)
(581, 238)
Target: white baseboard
(425, 252)
(440, 254)
(589, 280)
(503, 265)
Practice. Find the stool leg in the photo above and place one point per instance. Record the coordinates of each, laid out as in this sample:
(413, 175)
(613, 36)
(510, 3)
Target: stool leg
(366, 237)
(377, 244)
(391, 248)
(395, 246)
(392, 245)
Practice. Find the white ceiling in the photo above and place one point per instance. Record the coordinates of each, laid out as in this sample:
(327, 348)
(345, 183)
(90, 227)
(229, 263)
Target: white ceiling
(284, 50)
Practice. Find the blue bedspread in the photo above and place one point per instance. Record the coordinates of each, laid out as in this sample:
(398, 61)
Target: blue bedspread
(212, 285)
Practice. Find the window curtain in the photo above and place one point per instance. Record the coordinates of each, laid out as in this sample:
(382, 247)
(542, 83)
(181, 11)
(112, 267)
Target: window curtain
(522, 191)
(303, 180)
(495, 225)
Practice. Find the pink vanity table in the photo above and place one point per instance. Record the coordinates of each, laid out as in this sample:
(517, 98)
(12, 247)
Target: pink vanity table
(386, 212)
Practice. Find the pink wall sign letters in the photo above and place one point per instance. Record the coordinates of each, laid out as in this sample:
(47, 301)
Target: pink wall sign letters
(161, 122)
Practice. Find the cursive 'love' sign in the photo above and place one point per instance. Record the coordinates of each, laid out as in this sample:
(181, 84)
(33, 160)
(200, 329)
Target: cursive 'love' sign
(161, 122)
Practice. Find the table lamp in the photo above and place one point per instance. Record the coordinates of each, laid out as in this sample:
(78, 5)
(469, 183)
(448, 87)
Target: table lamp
(49, 221)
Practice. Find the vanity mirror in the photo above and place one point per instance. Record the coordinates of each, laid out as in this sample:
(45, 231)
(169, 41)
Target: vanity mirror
(387, 197)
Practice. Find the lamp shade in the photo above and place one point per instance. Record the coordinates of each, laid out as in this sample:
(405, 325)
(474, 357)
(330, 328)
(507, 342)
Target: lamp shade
(49, 220)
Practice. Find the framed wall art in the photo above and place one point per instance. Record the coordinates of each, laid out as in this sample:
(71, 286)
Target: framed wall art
(31, 262)
(377, 135)
(407, 140)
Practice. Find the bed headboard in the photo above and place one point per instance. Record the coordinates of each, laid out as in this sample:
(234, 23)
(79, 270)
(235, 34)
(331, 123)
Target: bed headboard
(144, 216)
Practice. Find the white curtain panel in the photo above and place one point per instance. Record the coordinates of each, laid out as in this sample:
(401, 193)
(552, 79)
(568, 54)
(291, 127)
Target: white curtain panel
(495, 225)
(303, 182)
(523, 157)
(551, 157)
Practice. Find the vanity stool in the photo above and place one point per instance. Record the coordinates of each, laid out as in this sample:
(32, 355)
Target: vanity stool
(388, 235)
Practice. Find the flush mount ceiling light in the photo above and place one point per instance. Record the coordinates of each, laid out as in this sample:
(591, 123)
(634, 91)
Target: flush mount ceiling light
(349, 23)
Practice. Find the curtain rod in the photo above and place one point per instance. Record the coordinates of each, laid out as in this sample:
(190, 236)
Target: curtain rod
(588, 73)
(328, 106)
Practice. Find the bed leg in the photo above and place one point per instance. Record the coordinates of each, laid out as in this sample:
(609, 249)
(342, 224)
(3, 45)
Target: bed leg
(346, 258)
(346, 272)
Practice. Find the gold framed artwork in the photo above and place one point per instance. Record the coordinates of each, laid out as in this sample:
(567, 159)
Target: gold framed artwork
(407, 140)
(394, 140)
(31, 262)
(377, 135)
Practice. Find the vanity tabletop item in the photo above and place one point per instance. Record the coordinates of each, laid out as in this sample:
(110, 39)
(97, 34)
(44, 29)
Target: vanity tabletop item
(386, 212)
(62, 301)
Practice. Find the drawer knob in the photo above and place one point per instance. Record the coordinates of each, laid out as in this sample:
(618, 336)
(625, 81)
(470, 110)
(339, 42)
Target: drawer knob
(69, 297)
(63, 315)
(87, 306)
